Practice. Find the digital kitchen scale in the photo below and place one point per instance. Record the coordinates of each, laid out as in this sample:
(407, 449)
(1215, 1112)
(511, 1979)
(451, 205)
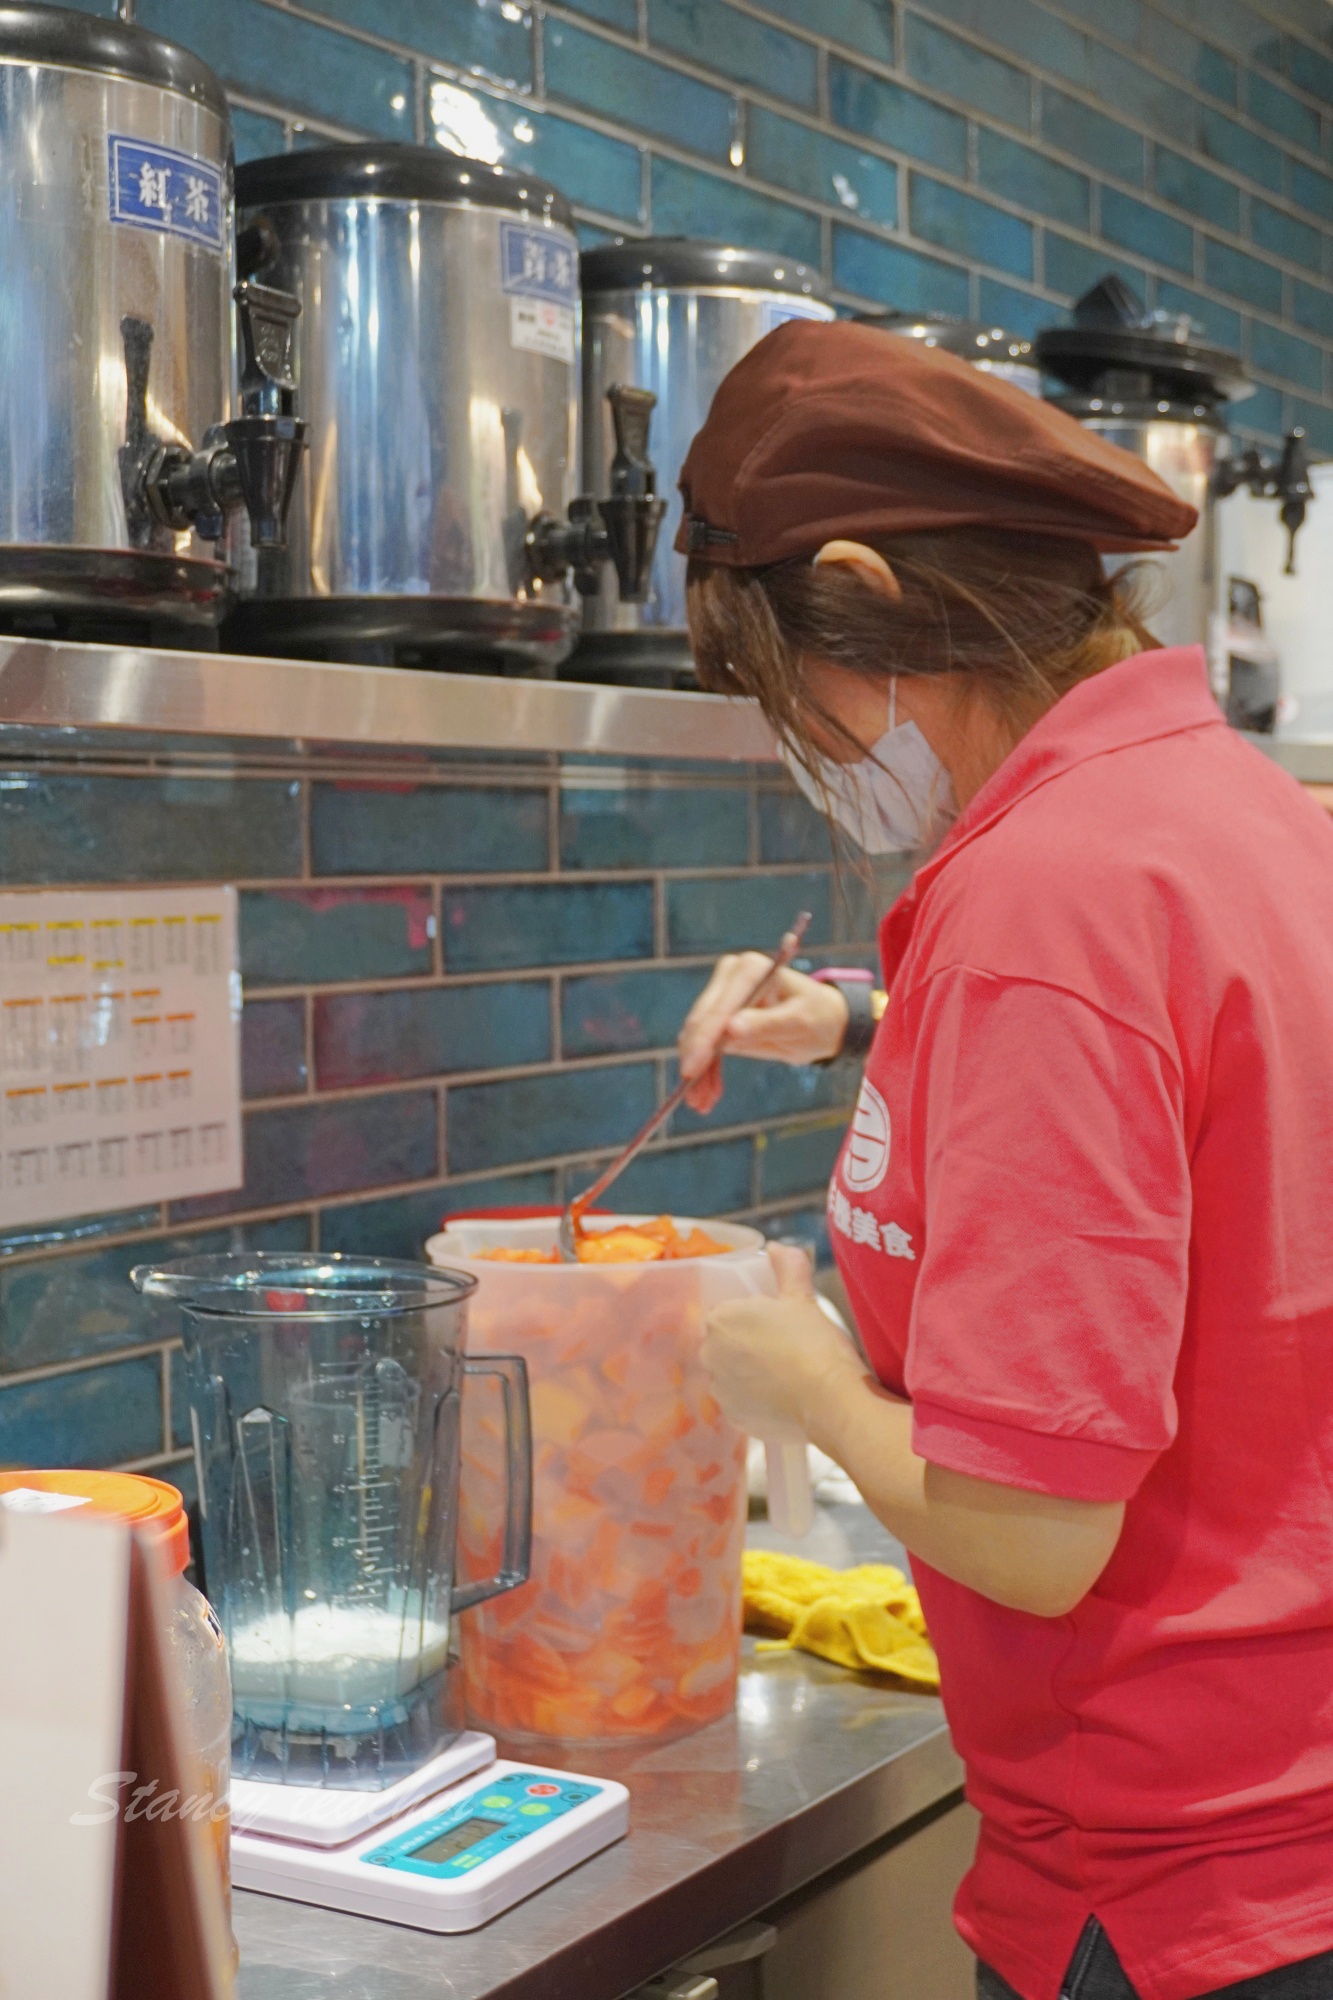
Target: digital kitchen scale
(444, 1850)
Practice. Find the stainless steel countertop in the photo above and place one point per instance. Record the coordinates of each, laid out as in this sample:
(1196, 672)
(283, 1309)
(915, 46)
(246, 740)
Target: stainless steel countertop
(48, 685)
(814, 1766)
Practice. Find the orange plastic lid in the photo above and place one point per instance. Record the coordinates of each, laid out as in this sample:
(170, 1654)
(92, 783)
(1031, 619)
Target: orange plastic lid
(127, 1496)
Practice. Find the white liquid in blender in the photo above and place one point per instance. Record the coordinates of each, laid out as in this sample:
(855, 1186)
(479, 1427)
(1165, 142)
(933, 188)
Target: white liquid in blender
(335, 1656)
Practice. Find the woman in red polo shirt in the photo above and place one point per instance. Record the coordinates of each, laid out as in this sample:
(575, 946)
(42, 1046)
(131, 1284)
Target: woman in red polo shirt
(1083, 1209)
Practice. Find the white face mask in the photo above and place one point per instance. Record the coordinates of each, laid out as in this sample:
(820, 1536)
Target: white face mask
(897, 798)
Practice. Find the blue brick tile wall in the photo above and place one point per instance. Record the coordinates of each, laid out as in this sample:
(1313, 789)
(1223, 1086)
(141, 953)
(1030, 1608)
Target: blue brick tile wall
(723, 913)
(1075, 127)
(563, 1111)
(462, 985)
(293, 935)
(91, 1416)
(610, 1013)
(396, 1034)
(360, 829)
(804, 161)
(52, 829)
(611, 828)
(798, 1158)
(991, 157)
(398, 1225)
(886, 111)
(461, 989)
(547, 923)
(274, 1061)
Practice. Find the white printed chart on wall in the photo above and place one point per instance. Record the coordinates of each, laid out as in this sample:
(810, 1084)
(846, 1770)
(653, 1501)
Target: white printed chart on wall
(119, 1049)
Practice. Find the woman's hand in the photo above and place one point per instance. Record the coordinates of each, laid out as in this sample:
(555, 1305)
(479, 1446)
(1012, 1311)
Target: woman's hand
(773, 1360)
(781, 1370)
(795, 1020)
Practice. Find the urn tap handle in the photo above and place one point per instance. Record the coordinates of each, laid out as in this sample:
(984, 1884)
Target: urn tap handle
(251, 462)
(137, 339)
(632, 471)
(267, 440)
(1286, 479)
(632, 515)
(622, 529)
(141, 449)
(1294, 489)
(267, 319)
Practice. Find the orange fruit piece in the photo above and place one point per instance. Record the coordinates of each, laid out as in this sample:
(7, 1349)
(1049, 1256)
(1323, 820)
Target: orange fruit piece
(644, 1243)
(621, 1246)
(697, 1244)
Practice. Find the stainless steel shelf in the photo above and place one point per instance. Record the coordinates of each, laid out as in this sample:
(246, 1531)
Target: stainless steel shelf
(62, 686)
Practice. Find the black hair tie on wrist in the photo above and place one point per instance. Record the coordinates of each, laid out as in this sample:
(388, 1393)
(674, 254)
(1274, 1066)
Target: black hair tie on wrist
(862, 1019)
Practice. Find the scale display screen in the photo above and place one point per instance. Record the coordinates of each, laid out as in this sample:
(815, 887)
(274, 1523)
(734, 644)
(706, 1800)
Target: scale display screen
(495, 1820)
(456, 1839)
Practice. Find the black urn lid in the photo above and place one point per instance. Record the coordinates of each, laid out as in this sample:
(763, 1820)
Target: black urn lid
(972, 339)
(396, 173)
(1117, 351)
(685, 263)
(61, 38)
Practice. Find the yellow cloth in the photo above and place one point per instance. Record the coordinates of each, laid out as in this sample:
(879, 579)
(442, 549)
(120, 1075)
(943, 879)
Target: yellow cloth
(864, 1618)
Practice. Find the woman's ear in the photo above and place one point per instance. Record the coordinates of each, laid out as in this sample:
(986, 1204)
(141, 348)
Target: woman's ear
(868, 564)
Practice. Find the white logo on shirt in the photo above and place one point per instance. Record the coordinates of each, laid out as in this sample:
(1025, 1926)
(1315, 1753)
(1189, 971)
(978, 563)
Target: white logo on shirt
(866, 1160)
(863, 1227)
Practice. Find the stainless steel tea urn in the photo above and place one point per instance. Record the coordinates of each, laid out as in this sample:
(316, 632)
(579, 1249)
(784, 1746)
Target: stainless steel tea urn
(993, 349)
(119, 461)
(437, 364)
(1151, 384)
(670, 315)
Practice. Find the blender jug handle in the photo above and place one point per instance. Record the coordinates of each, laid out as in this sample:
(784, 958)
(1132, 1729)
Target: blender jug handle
(512, 1372)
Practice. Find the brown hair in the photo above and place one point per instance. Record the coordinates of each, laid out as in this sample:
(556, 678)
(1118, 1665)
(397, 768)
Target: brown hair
(1024, 616)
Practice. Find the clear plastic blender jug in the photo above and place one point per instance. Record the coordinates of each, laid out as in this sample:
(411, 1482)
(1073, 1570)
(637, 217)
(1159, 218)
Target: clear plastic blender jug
(324, 1403)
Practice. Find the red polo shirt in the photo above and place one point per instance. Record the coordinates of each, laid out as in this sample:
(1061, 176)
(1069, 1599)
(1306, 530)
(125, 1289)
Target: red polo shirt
(1085, 1216)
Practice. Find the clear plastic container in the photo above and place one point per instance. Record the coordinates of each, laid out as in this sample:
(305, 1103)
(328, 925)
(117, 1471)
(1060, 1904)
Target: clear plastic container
(194, 1635)
(630, 1626)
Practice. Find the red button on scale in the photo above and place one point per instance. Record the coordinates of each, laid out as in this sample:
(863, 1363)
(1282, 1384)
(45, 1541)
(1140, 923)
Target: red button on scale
(543, 1791)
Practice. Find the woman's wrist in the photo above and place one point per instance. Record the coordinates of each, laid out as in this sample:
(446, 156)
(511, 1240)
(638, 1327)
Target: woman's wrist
(835, 1002)
(829, 1400)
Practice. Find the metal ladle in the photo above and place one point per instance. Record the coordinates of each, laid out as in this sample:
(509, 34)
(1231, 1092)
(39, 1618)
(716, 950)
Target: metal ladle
(571, 1219)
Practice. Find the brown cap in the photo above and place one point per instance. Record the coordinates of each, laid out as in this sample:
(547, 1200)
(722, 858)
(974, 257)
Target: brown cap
(829, 430)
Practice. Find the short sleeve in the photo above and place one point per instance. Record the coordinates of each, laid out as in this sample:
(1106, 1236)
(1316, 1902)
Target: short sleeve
(1050, 1305)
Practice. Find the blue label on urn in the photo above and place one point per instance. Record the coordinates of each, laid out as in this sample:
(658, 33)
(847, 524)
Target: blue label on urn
(538, 264)
(156, 188)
